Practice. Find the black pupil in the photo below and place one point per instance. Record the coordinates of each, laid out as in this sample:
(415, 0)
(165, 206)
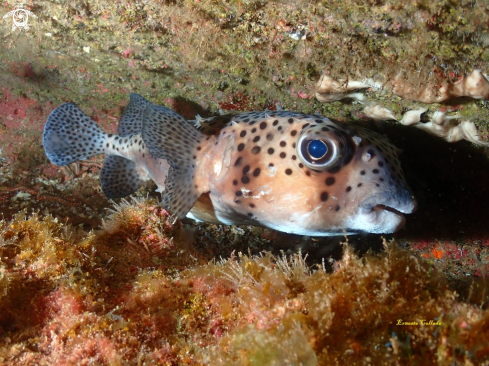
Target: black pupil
(317, 149)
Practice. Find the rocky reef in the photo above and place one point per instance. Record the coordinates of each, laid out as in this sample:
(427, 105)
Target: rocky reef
(87, 281)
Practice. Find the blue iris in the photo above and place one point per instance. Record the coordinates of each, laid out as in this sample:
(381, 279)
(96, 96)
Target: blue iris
(317, 149)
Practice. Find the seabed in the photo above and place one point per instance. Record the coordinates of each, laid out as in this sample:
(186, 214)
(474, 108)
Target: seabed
(89, 281)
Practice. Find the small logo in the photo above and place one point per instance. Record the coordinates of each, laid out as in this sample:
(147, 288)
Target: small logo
(20, 18)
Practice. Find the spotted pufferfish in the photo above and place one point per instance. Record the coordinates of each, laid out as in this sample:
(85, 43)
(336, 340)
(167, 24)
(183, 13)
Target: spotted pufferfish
(288, 171)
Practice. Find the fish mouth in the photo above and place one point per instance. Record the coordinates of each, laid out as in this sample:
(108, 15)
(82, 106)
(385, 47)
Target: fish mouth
(402, 203)
(383, 213)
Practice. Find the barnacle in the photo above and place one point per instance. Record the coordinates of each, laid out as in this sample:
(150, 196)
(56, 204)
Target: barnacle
(450, 128)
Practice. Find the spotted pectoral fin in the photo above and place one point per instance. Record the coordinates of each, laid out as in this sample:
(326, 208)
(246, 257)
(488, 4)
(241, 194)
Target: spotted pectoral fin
(169, 136)
(119, 177)
(132, 119)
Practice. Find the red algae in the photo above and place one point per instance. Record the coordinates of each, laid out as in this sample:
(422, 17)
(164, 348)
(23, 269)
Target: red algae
(134, 292)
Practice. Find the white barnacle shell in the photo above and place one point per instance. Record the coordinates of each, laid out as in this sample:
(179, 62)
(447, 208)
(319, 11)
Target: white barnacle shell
(412, 117)
(379, 113)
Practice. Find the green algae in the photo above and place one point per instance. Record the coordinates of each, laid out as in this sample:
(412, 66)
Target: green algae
(186, 48)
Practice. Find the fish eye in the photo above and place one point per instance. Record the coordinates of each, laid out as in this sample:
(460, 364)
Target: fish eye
(323, 152)
(317, 149)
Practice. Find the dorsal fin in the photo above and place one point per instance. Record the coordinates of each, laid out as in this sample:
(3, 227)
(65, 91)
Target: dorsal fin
(131, 121)
(169, 136)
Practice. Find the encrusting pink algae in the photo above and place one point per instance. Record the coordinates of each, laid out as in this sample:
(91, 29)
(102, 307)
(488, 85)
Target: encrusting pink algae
(134, 292)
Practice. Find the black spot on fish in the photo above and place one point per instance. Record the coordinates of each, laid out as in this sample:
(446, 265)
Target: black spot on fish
(330, 181)
(241, 147)
(256, 150)
(324, 196)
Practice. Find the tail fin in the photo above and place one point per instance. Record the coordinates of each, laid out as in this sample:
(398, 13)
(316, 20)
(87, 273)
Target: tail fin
(70, 135)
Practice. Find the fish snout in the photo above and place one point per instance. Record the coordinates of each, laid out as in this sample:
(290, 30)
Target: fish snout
(383, 212)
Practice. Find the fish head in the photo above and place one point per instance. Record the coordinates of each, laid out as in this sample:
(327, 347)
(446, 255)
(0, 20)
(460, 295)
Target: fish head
(306, 175)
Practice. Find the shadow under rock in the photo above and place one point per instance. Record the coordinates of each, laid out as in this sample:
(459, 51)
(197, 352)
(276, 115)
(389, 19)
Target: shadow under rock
(449, 182)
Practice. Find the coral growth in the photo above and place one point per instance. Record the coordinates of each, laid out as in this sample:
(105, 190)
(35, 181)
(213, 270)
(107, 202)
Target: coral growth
(135, 293)
(451, 128)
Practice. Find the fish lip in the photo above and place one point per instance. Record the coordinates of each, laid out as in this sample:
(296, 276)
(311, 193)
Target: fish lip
(383, 213)
(399, 204)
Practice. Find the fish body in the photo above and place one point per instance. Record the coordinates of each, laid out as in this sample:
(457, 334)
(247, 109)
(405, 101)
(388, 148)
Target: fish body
(287, 171)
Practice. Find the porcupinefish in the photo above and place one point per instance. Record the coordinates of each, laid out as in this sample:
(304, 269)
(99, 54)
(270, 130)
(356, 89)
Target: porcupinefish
(287, 171)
